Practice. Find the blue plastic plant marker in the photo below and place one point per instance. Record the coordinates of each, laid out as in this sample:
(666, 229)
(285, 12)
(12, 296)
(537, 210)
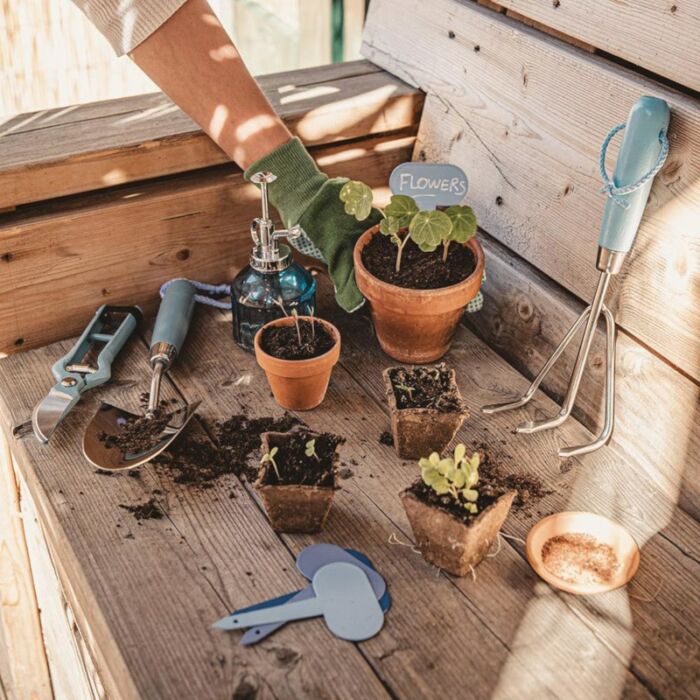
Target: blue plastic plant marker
(430, 184)
(385, 600)
(308, 569)
(316, 556)
(343, 596)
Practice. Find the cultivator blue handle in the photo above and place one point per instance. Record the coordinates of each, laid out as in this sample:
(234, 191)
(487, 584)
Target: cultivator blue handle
(642, 153)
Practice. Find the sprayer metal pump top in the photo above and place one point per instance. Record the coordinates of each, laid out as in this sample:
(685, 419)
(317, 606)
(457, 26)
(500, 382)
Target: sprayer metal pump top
(268, 255)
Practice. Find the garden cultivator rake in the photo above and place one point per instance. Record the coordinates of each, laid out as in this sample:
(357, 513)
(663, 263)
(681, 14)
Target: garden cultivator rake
(642, 155)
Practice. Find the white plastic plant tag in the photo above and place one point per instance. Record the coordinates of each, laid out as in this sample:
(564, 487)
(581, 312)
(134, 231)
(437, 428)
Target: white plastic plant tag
(344, 596)
(430, 184)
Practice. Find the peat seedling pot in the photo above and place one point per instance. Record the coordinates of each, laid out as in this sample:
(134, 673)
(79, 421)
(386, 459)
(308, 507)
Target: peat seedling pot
(449, 543)
(426, 408)
(416, 325)
(288, 461)
(298, 372)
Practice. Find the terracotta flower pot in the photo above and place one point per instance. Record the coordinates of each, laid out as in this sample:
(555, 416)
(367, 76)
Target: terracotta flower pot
(419, 431)
(294, 508)
(449, 543)
(415, 325)
(298, 385)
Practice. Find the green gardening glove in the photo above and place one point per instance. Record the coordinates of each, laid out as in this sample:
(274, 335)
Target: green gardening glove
(303, 195)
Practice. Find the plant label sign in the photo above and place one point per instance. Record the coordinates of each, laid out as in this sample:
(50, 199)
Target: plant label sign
(430, 184)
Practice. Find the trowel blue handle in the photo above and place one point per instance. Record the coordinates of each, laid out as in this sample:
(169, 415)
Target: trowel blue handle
(638, 154)
(174, 315)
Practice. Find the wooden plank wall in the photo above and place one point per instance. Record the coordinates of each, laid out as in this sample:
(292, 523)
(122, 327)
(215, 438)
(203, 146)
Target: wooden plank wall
(181, 210)
(524, 113)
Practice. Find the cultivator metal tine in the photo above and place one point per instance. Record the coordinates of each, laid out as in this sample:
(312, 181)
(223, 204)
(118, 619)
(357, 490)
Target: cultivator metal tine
(609, 421)
(532, 389)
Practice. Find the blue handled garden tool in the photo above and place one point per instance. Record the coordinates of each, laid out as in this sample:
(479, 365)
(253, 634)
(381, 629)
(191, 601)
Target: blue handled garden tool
(642, 155)
(75, 372)
(169, 333)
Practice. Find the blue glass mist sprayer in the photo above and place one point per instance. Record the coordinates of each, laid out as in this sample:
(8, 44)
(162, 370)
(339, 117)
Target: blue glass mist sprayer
(272, 284)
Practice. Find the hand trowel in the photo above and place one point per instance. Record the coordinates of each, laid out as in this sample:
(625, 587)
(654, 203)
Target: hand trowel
(169, 333)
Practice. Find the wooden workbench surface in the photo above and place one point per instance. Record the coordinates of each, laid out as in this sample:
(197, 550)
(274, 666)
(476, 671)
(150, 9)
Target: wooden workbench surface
(145, 594)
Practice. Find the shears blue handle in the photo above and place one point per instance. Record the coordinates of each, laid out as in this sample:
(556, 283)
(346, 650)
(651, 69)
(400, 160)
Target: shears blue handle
(99, 330)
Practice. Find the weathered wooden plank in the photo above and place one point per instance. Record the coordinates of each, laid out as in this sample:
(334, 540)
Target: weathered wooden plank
(365, 502)
(635, 624)
(661, 37)
(145, 595)
(524, 318)
(72, 677)
(25, 664)
(500, 7)
(94, 146)
(367, 510)
(515, 109)
(119, 246)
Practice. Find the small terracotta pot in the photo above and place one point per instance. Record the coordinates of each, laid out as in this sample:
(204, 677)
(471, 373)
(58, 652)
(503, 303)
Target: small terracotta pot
(415, 325)
(419, 431)
(298, 385)
(294, 508)
(447, 542)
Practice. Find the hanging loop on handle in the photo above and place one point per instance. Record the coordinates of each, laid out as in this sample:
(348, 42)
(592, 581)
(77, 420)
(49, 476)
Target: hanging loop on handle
(211, 289)
(617, 193)
(642, 153)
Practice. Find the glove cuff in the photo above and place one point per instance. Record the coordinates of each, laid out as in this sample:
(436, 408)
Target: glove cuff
(298, 179)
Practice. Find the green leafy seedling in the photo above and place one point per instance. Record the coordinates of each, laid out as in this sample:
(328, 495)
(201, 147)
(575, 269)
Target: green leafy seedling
(463, 221)
(405, 388)
(270, 457)
(310, 449)
(428, 229)
(357, 198)
(455, 476)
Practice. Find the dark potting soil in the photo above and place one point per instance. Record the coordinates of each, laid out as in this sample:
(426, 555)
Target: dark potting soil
(311, 340)
(195, 460)
(386, 438)
(425, 387)
(493, 483)
(419, 270)
(296, 467)
(140, 433)
(150, 510)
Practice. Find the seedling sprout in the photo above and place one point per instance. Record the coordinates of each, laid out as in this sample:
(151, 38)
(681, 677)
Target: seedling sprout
(270, 457)
(455, 476)
(310, 450)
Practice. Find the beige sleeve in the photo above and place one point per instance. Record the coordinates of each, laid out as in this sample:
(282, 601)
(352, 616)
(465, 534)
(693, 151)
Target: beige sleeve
(126, 23)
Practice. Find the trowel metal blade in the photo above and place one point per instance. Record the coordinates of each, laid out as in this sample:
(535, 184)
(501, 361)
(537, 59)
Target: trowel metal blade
(50, 411)
(110, 420)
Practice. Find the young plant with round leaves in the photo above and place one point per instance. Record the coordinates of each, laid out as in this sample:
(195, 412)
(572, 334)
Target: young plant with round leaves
(398, 215)
(463, 228)
(455, 476)
(428, 229)
(269, 457)
(357, 198)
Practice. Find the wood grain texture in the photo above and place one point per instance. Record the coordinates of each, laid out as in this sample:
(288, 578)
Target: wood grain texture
(72, 677)
(635, 624)
(25, 670)
(120, 246)
(525, 115)
(94, 146)
(145, 595)
(522, 637)
(524, 318)
(660, 37)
